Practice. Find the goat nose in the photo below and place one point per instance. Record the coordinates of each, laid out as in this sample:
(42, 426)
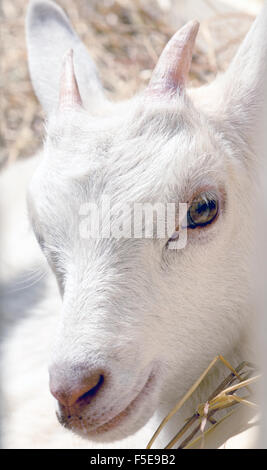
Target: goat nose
(75, 391)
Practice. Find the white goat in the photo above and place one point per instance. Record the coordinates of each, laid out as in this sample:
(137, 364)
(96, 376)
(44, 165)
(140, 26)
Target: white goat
(139, 322)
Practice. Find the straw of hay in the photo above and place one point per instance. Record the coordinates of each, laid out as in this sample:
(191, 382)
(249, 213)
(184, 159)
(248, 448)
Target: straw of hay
(222, 398)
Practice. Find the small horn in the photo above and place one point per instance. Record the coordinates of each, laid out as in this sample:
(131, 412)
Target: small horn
(173, 66)
(69, 96)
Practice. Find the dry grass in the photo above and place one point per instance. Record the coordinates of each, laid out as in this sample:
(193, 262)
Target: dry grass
(124, 37)
(225, 396)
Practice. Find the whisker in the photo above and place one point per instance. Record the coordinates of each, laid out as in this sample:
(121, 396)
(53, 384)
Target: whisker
(27, 283)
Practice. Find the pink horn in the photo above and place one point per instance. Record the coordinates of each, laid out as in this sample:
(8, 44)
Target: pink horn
(69, 96)
(173, 66)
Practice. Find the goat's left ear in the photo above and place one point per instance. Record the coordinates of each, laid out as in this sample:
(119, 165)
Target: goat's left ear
(49, 37)
(237, 97)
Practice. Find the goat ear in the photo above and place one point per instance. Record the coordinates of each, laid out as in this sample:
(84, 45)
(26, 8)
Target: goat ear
(237, 97)
(49, 37)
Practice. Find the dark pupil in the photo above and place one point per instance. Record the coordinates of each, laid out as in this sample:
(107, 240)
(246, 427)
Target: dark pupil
(206, 207)
(202, 213)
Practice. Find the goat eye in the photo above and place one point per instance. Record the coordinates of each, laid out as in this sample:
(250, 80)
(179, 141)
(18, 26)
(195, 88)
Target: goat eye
(203, 210)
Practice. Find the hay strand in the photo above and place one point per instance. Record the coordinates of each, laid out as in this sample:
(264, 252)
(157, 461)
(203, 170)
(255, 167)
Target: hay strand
(222, 398)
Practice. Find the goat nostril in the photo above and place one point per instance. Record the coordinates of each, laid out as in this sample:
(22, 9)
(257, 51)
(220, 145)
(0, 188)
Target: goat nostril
(93, 391)
(76, 393)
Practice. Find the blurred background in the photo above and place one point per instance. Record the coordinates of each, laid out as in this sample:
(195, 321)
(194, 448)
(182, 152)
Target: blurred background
(125, 38)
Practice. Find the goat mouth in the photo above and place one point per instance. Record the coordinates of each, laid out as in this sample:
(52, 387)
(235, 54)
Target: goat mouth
(78, 425)
(127, 412)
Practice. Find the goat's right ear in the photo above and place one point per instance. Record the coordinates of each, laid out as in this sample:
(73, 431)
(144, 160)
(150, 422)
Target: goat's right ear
(49, 36)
